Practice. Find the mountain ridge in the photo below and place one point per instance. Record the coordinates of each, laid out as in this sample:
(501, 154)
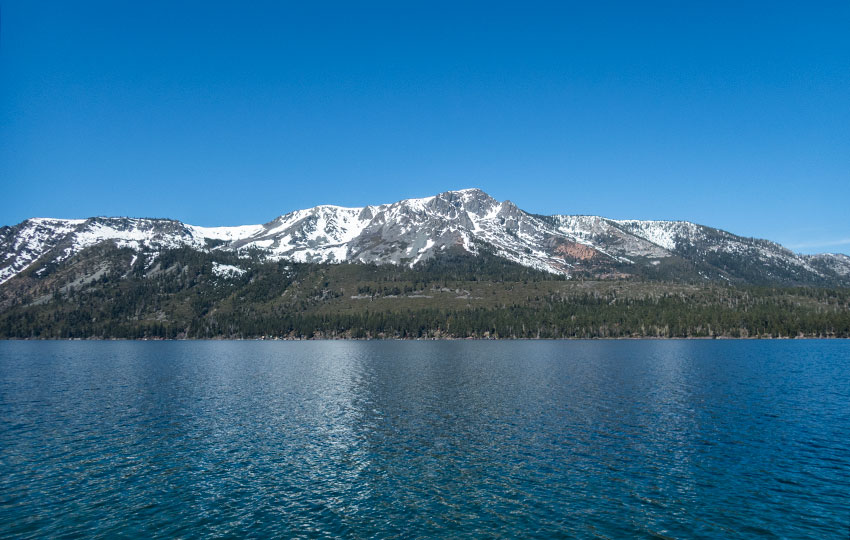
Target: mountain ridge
(411, 231)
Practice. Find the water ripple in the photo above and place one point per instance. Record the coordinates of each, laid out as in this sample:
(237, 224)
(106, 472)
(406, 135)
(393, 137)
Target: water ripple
(655, 439)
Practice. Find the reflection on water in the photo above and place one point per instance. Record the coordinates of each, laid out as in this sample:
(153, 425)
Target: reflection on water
(397, 439)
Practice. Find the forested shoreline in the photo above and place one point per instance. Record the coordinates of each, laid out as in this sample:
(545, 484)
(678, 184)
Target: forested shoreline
(184, 294)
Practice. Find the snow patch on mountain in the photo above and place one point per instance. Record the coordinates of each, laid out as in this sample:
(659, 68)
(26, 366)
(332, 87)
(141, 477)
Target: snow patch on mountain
(33, 238)
(227, 234)
(661, 233)
(227, 270)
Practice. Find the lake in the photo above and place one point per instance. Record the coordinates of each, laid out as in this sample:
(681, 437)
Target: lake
(473, 439)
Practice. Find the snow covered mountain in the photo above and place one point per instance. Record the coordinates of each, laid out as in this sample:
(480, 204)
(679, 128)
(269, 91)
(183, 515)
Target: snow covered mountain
(415, 230)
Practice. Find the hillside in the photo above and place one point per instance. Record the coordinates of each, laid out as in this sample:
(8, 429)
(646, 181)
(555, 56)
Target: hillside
(106, 291)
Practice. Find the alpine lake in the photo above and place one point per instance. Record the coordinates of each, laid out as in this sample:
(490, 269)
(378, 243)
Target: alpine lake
(425, 439)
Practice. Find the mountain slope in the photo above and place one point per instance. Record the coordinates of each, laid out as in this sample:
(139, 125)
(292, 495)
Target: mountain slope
(412, 231)
(109, 292)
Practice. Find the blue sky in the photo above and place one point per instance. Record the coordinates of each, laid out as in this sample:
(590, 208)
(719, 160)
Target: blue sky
(735, 115)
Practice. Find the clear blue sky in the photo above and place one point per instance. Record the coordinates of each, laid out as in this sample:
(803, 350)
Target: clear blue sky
(735, 115)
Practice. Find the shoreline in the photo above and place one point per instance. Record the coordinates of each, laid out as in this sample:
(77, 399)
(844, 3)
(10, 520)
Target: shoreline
(631, 338)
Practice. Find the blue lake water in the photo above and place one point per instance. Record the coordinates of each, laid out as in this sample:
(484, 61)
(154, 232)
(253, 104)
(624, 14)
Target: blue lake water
(551, 439)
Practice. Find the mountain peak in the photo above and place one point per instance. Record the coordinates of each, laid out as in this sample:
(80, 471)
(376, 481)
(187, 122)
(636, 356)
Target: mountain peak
(473, 194)
(471, 191)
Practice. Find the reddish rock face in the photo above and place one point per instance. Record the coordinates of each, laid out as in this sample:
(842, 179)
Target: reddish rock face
(576, 251)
